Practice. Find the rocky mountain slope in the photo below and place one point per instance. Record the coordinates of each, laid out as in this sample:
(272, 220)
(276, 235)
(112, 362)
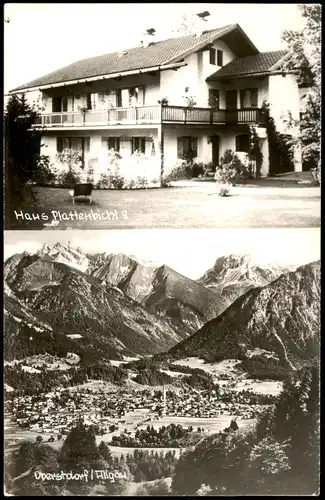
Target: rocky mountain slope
(234, 275)
(280, 320)
(161, 290)
(80, 307)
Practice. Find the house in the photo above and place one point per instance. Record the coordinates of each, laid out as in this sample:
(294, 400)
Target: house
(195, 95)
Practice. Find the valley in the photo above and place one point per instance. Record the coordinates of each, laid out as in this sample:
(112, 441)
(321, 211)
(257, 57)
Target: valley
(145, 358)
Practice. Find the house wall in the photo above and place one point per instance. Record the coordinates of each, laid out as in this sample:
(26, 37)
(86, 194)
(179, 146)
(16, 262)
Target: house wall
(97, 157)
(76, 94)
(173, 83)
(242, 83)
(206, 69)
(227, 140)
(170, 145)
(284, 96)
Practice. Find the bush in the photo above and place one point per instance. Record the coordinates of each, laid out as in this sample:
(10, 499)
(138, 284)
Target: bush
(116, 181)
(43, 174)
(179, 172)
(230, 171)
(68, 179)
(224, 189)
(70, 157)
(90, 174)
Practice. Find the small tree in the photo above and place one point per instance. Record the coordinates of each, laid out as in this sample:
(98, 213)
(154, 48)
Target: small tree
(254, 154)
(22, 147)
(73, 160)
(305, 60)
(228, 173)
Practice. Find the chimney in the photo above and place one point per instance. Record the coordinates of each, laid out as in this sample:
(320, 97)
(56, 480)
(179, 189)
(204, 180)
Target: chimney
(148, 37)
(201, 22)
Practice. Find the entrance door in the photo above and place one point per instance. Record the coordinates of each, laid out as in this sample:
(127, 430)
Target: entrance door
(215, 141)
(231, 100)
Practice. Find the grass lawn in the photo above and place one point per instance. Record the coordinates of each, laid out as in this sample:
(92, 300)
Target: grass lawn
(187, 204)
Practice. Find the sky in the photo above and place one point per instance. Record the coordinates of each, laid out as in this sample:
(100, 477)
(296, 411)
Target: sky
(189, 251)
(43, 37)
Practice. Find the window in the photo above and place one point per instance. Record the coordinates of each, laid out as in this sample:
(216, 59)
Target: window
(186, 146)
(127, 98)
(219, 58)
(77, 144)
(139, 144)
(92, 101)
(214, 98)
(242, 143)
(248, 98)
(213, 56)
(136, 96)
(111, 143)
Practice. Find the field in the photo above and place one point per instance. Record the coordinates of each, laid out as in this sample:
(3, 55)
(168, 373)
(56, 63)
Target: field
(225, 373)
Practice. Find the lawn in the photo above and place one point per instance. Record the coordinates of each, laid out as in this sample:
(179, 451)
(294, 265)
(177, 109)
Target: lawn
(188, 204)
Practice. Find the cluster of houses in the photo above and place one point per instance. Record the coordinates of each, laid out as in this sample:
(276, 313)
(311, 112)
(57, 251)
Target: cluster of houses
(56, 412)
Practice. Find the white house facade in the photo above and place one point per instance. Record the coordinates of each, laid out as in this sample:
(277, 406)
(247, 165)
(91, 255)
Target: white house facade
(196, 94)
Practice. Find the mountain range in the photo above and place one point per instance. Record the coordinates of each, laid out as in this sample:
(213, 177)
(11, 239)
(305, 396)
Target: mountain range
(280, 320)
(107, 306)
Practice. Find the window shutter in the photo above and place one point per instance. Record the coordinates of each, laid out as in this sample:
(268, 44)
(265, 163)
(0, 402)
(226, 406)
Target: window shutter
(88, 101)
(119, 98)
(59, 144)
(219, 58)
(104, 142)
(194, 146)
(212, 56)
(180, 149)
(237, 142)
(254, 98)
(66, 143)
(242, 98)
(141, 96)
(216, 99)
(211, 97)
(86, 144)
(65, 104)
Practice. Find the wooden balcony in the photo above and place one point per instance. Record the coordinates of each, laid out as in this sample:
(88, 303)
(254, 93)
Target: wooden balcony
(143, 115)
(251, 115)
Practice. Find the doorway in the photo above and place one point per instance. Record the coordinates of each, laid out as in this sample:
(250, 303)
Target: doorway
(215, 141)
(231, 100)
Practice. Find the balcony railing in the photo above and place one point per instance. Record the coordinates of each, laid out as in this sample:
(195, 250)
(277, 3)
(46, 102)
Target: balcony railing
(142, 115)
(252, 115)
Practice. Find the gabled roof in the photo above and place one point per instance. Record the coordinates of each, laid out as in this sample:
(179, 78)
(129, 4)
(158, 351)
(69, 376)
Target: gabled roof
(158, 54)
(261, 63)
